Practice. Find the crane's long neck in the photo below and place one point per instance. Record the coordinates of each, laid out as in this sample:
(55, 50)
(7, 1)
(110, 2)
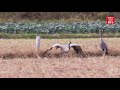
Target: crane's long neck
(100, 35)
(101, 39)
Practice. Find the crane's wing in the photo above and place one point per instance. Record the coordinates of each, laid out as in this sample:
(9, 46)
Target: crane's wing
(76, 47)
(71, 45)
(56, 45)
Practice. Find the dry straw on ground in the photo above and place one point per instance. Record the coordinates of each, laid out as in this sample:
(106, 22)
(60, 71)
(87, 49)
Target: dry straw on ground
(18, 59)
(93, 67)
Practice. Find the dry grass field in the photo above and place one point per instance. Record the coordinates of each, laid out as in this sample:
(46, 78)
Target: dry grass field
(18, 59)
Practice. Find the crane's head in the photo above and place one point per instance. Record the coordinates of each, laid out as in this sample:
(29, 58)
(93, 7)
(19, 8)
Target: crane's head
(101, 30)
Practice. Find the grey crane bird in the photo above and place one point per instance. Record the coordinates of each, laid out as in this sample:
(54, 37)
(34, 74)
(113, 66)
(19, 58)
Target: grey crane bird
(103, 45)
(65, 48)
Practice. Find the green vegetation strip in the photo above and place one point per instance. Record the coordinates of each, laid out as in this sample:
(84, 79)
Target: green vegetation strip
(56, 36)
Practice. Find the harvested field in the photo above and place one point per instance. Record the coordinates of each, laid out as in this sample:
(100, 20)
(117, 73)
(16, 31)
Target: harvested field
(19, 60)
(93, 67)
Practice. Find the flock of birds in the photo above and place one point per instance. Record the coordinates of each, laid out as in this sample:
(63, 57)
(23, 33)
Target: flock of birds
(65, 48)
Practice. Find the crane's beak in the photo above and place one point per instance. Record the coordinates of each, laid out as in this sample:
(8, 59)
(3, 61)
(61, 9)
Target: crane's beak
(50, 48)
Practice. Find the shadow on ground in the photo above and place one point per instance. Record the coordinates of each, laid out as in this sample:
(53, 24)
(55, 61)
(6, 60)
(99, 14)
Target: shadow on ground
(55, 55)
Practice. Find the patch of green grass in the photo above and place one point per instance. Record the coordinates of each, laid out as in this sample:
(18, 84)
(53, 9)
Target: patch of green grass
(57, 36)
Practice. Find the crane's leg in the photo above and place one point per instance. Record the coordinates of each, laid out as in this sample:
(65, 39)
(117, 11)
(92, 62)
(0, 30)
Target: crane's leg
(82, 54)
(61, 55)
(104, 53)
(79, 54)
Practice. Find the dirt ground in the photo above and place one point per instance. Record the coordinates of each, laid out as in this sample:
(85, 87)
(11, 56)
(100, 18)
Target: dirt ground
(94, 67)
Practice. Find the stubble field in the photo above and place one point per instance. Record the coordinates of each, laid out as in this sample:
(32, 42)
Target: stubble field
(19, 59)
